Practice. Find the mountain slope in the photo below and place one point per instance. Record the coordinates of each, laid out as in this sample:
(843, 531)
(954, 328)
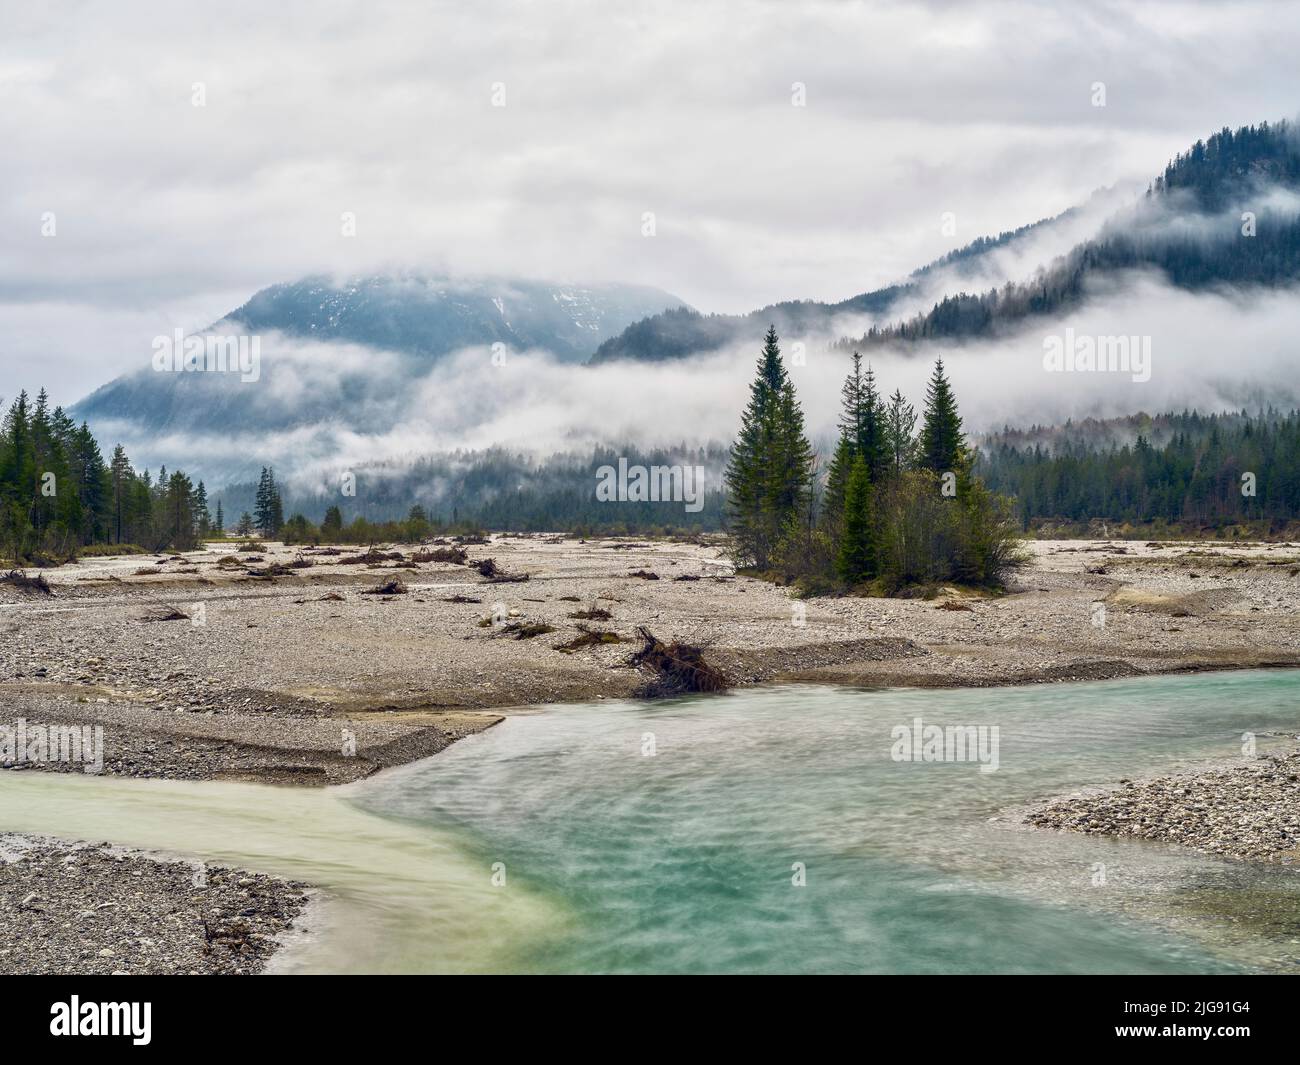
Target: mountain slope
(313, 370)
(679, 332)
(1226, 212)
(433, 316)
(1188, 226)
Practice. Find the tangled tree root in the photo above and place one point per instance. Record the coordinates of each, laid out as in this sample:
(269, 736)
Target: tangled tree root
(167, 612)
(488, 568)
(678, 668)
(18, 579)
(588, 637)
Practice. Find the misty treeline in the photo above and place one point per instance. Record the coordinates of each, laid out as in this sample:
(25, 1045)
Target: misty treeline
(58, 496)
(1205, 221)
(466, 491)
(1189, 470)
(895, 508)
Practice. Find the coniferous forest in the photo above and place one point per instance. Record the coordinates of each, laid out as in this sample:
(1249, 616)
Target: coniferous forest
(900, 508)
(59, 497)
(902, 497)
(1190, 471)
(1224, 233)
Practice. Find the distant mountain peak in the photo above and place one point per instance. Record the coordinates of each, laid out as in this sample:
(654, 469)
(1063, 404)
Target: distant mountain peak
(1230, 169)
(433, 315)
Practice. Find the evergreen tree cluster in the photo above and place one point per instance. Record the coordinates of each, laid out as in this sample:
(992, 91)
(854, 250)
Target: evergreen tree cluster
(1203, 471)
(1189, 226)
(58, 495)
(496, 488)
(268, 515)
(896, 508)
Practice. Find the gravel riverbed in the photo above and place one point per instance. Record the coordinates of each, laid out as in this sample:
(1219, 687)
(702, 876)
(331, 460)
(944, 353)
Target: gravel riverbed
(93, 909)
(301, 674)
(1250, 812)
(290, 666)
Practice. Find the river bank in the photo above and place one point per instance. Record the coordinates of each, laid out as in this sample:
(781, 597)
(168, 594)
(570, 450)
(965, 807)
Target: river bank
(553, 842)
(281, 665)
(1249, 812)
(93, 909)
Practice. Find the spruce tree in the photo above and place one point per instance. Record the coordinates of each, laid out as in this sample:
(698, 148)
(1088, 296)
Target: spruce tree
(180, 511)
(852, 406)
(846, 447)
(768, 476)
(202, 517)
(941, 447)
(871, 434)
(857, 554)
(262, 502)
(789, 465)
(268, 510)
(900, 423)
(863, 432)
(277, 507)
(837, 481)
(120, 478)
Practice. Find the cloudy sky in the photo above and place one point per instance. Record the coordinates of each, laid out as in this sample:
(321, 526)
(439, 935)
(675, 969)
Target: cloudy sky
(169, 214)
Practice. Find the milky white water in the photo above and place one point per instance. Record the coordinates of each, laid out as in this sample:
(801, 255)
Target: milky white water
(615, 860)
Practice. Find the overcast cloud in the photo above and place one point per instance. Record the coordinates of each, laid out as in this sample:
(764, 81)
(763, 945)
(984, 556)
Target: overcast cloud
(169, 214)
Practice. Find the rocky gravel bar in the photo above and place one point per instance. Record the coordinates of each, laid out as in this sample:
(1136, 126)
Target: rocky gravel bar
(94, 909)
(323, 664)
(1250, 812)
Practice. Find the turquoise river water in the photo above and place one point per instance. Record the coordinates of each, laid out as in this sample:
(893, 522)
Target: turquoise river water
(768, 830)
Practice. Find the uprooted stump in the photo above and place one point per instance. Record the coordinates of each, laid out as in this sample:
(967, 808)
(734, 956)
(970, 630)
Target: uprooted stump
(18, 579)
(166, 613)
(487, 567)
(392, 586)
(372, 557)
(270, 571)
(523, 630)
(588, 637)
(678, 668)
(455, 555)
(592, 613)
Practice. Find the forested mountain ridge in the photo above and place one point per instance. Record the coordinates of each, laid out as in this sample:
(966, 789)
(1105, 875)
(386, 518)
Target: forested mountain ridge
(417, 321)
(1226, 212)
(681, 331)
(1186, 226)
(1198, 470)
(432, 316)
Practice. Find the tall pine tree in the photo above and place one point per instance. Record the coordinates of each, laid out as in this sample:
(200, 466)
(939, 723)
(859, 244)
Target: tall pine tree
(857, 555)
(900, 424)
(942, 448)
(769, 476)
